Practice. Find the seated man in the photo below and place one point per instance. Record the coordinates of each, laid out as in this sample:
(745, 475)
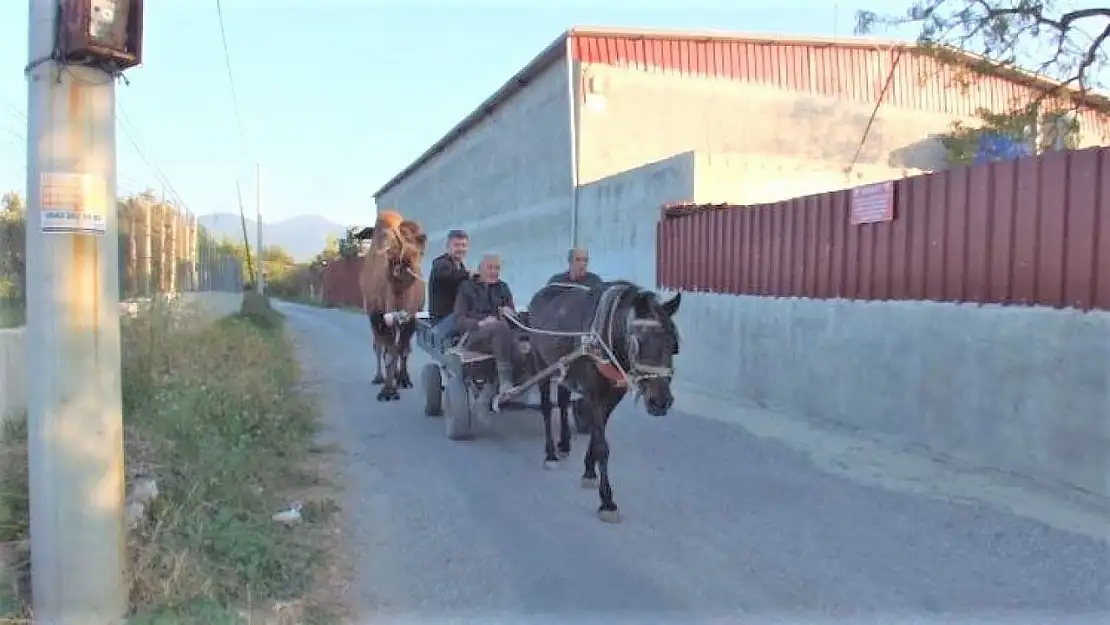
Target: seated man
(480, 309)
(448, 273)
(578, 259)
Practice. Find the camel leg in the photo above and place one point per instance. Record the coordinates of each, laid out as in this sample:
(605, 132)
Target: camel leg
(389, 386)
(404, 349)
(377, 327)
(378, 379)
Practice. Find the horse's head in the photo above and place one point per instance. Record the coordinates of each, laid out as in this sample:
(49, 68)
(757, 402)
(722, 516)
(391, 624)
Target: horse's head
(651, 342)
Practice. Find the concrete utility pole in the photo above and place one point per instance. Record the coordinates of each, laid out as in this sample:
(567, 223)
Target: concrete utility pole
(260, 280)
(74, 412)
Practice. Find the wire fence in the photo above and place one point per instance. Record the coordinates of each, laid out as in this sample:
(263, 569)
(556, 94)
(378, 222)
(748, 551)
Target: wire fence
(161, 250)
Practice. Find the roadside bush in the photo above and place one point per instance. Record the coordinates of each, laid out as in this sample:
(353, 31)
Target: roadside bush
(211, 410)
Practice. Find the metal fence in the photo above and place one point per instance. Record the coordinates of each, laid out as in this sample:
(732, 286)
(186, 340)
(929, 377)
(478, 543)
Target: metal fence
(1034, 231)
(189, 262)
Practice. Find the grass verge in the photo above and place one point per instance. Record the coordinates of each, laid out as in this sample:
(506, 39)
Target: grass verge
(12, 314)
(213, 412)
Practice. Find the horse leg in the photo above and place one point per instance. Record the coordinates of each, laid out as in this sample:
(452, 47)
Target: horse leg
(589, 475)
(565, 435)
(550, 460)
(407, 330)
(599, 450)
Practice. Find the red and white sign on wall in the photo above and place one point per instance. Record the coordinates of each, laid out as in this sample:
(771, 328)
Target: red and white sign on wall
(873, 203)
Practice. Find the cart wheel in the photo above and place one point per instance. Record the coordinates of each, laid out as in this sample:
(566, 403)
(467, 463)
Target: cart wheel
(581, 420)
(432, 380)
(457, 410)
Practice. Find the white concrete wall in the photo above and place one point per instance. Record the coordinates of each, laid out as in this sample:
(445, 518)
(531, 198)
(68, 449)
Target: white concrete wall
(617, 216)
(13, 380)
(636, 117)
(507, 182)
(1021, 389)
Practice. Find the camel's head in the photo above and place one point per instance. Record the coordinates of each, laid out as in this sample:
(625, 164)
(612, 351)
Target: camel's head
(404, 242)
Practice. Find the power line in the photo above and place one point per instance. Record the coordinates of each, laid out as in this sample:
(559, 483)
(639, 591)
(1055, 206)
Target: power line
(160, 175)
(231, 80)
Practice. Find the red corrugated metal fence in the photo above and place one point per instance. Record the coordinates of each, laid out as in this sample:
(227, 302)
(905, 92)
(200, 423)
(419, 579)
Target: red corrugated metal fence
(1031, 231)
(340, 280)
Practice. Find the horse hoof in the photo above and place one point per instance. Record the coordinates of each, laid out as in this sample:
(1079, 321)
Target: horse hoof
(550, 465)
(383, 397)
(589, 482)
(378, 379)
(563, 454)
(609, 516)
(405, 384)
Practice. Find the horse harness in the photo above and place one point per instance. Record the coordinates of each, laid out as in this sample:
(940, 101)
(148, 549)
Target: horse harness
(596, 343)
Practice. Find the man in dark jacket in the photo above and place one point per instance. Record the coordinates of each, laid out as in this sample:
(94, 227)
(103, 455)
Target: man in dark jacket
(448, 273)
(578, 259)
(480, 309)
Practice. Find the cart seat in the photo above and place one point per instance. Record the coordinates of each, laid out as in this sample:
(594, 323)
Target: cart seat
(464, 354)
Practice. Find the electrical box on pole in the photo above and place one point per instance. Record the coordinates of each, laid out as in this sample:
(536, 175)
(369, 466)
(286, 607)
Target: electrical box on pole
(102, 33)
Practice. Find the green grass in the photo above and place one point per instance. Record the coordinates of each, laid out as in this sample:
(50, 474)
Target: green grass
(12, 314)
(214, 409)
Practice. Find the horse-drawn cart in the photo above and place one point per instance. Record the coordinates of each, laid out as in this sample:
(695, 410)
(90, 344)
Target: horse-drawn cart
(461, 384)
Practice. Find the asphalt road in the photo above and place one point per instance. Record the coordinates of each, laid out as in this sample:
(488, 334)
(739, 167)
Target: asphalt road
(719, 525)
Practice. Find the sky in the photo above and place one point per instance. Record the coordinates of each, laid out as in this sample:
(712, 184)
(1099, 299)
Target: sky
(336, 96)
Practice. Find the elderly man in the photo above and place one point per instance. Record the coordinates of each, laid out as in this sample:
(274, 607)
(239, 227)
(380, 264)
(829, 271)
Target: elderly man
(578, 259)
(448, 273)
(480, 309)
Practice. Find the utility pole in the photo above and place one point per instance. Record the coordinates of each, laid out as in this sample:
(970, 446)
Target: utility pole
(260, 280)
(74, 411)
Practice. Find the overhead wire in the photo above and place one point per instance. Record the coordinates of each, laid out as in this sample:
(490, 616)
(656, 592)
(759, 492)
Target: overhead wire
(244, 146)
(231, 82)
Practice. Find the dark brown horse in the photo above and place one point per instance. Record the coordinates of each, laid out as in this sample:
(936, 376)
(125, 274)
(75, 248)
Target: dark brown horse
(628, 338)
(392, 294)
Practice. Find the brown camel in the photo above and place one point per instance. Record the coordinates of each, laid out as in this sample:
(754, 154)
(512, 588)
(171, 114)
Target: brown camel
(392, 294)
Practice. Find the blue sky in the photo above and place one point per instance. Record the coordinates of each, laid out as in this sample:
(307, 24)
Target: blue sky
(337, 95)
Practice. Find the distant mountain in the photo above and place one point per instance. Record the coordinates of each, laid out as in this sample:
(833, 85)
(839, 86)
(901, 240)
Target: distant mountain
(302, 236)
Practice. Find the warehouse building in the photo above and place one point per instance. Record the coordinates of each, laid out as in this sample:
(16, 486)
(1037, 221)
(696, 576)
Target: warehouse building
(587, 142)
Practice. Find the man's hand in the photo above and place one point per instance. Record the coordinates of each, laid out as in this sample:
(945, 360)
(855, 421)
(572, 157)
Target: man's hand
(506, 311)
(488, 321)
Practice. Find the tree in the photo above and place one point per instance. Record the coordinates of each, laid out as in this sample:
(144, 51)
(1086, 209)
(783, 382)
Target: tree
(349, 246)
(1042, 37)
(13, 276)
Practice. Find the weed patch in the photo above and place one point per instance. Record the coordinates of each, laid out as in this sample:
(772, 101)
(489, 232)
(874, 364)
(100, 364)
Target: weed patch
(212, 412)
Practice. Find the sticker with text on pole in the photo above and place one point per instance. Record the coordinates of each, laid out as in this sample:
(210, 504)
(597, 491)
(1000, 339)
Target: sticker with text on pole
(74, 204)
(873, 203)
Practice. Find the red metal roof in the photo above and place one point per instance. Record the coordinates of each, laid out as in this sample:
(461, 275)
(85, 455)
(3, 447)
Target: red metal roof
(845, 68)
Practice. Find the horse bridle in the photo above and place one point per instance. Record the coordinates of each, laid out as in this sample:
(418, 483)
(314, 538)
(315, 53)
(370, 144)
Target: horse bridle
(637, 372)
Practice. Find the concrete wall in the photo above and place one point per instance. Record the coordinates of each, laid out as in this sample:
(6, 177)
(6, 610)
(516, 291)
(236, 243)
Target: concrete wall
(618, 215)
(507, 182)
(1025, 390)
(13, 380)
(635, 117)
